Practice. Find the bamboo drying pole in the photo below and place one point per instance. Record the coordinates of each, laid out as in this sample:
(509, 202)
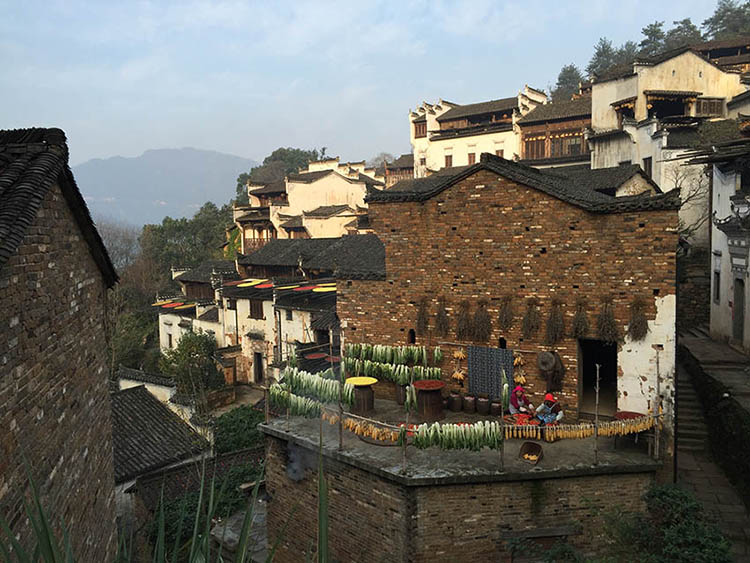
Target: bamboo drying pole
(341, 380)
(596, 418)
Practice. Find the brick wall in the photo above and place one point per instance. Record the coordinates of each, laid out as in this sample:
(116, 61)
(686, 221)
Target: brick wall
(375, 519)
(693, 290)
(488, 236)
(54, 402)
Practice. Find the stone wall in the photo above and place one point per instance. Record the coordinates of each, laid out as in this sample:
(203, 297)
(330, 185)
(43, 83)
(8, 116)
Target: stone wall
(54, 402)
(372, 518)
(487, 237)
(693, 290)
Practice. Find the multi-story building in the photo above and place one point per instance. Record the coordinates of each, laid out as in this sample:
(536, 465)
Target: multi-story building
(647, 111)
(447, 134)
(319, 201)
(400, 169)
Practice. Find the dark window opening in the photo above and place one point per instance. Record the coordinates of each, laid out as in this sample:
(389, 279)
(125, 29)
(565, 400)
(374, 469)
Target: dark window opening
(169, 341)
(289, 316)
(448, 160)
(420, 129)
(502, 343)
(534, 148)
(412, 338)
(472, 157)
(717, 287)
(499, 153)
(647, 166)
(423, 161)
(543, 251)
(256, 309)
(656, 292)
(591, 353)
(666, 108)
(709, 107)
(231, 304)
(257, 367)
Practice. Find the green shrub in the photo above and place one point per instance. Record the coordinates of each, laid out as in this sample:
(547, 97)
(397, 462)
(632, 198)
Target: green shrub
(237, 430)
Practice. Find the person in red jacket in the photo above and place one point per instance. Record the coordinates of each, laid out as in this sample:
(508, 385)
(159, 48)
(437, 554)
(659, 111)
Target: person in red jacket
(519, 403)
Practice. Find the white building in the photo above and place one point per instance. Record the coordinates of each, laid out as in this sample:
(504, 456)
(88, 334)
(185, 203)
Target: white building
(650, 111)
(446, 134)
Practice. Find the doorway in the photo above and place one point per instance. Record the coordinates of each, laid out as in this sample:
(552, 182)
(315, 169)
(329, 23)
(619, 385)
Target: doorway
(257, 367)
(738, 310)
(591, 353)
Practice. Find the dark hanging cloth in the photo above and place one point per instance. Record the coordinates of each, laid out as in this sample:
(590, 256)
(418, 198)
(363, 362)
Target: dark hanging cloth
(486, 367)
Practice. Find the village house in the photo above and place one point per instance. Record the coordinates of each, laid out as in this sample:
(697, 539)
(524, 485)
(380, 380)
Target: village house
(54, 403)
(446, 134)
(554, 134)
(645, 112)
(319, 201)
(400, 169)
(730, 239)
(495, 240)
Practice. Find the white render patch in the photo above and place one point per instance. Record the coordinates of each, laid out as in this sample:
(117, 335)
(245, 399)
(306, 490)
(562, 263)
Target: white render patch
(637, 362)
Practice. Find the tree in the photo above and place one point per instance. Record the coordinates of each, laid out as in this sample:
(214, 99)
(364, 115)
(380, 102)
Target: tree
(568, 82)
(626, 53)
(275, 167)
(683, 33)
(377, 160)
(653, 39)
(121, 240)
(193, 366)
(603, 58)
(730, 19)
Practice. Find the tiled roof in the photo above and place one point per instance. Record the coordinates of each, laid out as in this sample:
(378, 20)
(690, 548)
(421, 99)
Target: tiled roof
(209, 315)
(580, 107)
(307, 177)
(739, 99)
(202, 273)
(626, 69)
(327, 210)
(147, 436)
(293, 223)
(602, 179)
(31, 162)
(607, 133)
(306, 300)
(551, 184)
(371, 182)
(723, 43)
(138, 375)
(255, 214)
(703, 133)
(403, 161)
(277, 187)
(480, 108)
(471, 131)
(421, 119)
(325, 320)
(683, 93)
(350, 256)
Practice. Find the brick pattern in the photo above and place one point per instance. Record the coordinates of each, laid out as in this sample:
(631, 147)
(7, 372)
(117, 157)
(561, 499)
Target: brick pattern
(372, 519)
(54, 401)
(486, 237)
(694, 290)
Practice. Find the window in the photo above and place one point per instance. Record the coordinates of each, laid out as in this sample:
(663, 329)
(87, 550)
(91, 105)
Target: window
(423, 161)
(709, 107)
(420, 129)
(717, 287)
(566, 144)
(289, 315)
(412, 336)
(169, 340)
(472, 157)
(647, 166)
(231, 304)
(448, 160)
(499, 153)
(256, 309)
(534, 148)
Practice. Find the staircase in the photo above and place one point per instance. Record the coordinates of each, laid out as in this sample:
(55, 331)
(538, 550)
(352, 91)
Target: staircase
(692, 433)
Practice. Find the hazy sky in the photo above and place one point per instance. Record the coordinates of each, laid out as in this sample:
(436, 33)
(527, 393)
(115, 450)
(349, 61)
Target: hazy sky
(246, 77)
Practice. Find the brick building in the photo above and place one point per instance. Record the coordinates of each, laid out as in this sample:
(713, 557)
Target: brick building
(54, 404)
(500, 229)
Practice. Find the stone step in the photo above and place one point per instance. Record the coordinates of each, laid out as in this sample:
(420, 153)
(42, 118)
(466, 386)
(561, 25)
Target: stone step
(691, 435)
(691, 447)
(685, 441)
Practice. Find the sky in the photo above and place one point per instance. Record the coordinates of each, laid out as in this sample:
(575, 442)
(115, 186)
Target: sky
(247, 77)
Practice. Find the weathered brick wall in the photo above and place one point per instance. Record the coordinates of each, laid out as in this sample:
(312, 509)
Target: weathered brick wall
(374, 519)
(693, 290)
(488, 236)
(54, 401)
(367, 516)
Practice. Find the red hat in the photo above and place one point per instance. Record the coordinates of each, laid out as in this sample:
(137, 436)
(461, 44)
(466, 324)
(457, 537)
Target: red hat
(549, 397)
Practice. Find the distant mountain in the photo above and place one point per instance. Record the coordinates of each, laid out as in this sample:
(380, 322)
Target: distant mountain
(160, 182)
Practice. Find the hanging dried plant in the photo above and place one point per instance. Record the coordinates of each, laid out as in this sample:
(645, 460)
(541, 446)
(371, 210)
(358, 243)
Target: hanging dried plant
(638, 327)
(606, 325)
(482, 323)
(463, 322)
(531, 320)
(555, 324)
(422, 317)
(442, 326)
(505, 317)
(580, 328)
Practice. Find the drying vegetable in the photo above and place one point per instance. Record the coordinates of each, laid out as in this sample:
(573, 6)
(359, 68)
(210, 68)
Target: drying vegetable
(410, 404)
(316, 387)
(437, 355)
(298, 406)
(483, 434)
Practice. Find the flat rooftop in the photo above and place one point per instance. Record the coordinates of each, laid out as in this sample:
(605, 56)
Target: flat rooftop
(564, 458)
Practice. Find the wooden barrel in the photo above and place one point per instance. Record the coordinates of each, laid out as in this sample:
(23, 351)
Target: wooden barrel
(364, 400)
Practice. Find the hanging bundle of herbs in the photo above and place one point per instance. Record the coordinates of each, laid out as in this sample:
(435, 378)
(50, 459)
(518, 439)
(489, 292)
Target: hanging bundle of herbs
(482, 323)
(442, 326)
(606, 324)
(506, 316)
(463, 322)
(555, 324)
(422, 317)
(580, 328)
(638, 327)
(531, 320)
